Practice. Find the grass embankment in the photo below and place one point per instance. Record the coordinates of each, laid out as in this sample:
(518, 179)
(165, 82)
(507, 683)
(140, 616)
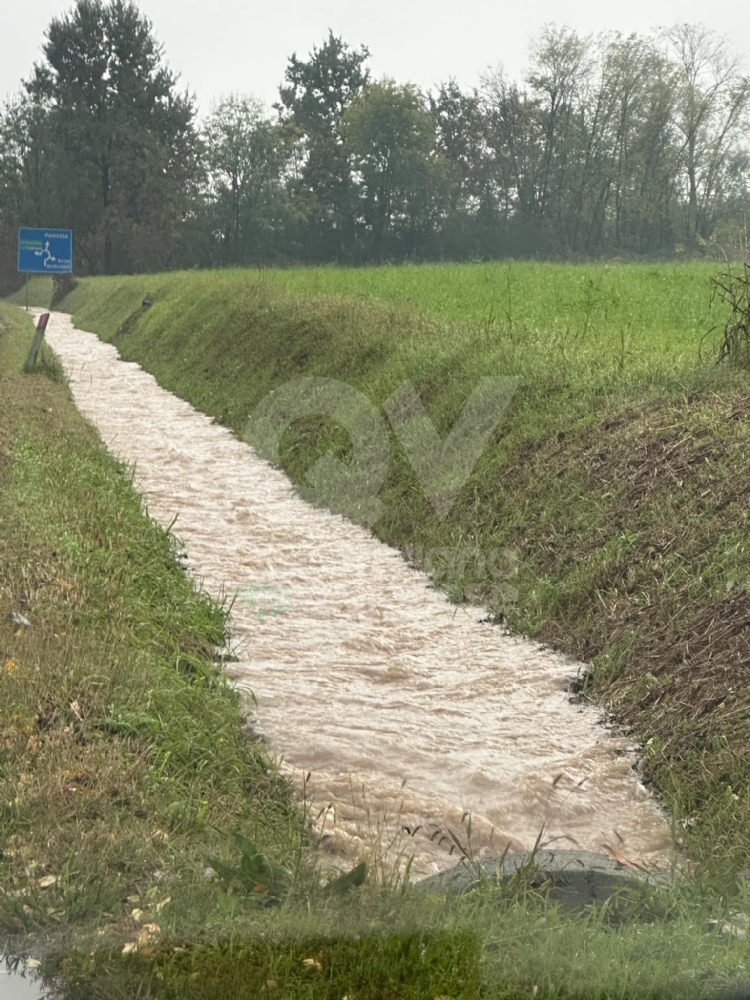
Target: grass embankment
(618, 476)
(40, 293)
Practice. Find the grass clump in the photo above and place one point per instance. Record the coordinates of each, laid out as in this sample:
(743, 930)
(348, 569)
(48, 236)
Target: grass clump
(732, 289)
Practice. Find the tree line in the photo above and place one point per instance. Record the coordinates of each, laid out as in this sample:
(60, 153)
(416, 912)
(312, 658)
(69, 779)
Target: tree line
(610, 145)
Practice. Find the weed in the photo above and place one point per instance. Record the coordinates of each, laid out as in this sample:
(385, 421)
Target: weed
(732, 289)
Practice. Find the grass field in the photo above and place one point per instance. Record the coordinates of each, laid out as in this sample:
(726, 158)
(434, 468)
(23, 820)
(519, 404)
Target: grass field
(619, 478)
(657, 307)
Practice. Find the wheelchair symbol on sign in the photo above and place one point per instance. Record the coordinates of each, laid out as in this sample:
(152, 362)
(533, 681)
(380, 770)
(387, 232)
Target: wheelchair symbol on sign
(45, 253)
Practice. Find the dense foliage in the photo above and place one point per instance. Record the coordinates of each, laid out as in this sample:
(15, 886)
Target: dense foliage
(610, 145)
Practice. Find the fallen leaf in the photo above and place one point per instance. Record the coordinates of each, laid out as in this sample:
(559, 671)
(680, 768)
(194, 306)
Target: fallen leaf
(47, 881)
(312, 963)
(129, 948)
(137, 915)
(160, 906)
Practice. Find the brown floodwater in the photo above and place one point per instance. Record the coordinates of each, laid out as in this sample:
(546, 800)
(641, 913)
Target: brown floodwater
(411, 715)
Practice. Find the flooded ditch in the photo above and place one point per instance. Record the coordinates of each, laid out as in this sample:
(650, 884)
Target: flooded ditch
(409, 714)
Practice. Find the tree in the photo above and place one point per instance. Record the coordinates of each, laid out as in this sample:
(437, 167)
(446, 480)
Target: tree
(390, 137)
(641, 160)
(315, 97)
(712, 114)
(610, 144)
(461, 139)
(28, 189)
(127, 134)
(247, 155)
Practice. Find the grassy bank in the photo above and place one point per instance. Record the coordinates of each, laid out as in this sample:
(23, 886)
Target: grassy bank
(616, 479)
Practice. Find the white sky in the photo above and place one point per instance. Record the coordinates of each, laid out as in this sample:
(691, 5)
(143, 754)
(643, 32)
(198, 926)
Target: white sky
(219, 46)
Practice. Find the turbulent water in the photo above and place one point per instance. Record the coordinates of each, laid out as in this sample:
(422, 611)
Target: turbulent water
(420, 726)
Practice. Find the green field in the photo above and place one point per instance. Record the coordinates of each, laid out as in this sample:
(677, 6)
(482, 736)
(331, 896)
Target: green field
(658, 307)
(618, 477)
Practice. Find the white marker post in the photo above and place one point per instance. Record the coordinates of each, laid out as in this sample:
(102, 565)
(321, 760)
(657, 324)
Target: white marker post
(36, 343)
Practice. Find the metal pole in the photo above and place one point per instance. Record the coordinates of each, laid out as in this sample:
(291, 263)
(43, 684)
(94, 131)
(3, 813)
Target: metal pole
(27, 292)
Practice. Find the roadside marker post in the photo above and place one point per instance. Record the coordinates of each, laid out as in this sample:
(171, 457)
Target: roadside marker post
(36, 343)
(44, 251)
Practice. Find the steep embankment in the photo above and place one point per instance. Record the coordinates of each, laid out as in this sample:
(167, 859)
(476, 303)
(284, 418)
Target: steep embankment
(617, 480)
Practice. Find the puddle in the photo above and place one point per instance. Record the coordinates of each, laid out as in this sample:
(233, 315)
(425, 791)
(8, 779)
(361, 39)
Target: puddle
(17, 984)
(409, 714)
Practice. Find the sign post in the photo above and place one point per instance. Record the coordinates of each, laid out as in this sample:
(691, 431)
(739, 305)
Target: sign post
(44, 251)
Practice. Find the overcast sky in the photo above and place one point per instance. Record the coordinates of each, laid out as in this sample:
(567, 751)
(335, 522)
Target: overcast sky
(219, 46)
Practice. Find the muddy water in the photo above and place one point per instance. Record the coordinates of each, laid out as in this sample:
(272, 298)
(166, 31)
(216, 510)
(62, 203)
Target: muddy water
(406, 711)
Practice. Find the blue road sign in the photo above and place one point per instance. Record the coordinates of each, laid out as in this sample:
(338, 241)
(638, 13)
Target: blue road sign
(45, 251)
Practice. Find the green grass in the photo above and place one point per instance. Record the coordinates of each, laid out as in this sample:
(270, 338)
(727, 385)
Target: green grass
(624, 318)
(619, 482)
(39, 293)
(490, 947)
(657, 307)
